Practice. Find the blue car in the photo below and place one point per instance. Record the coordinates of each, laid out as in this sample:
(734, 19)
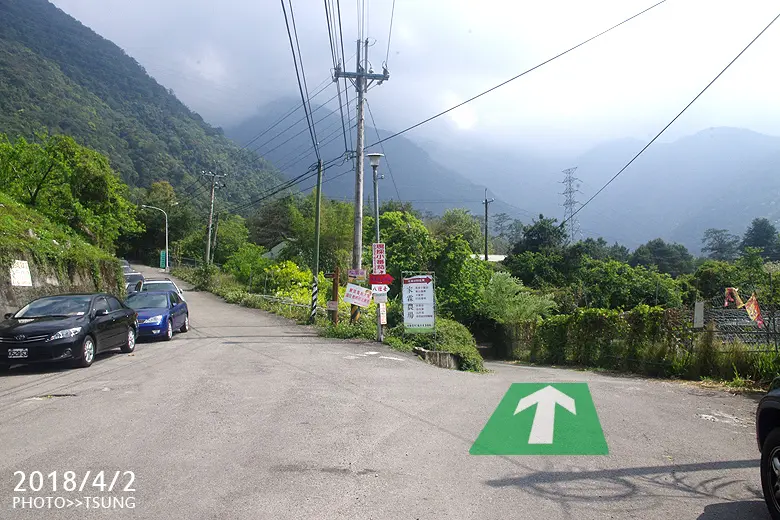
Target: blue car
(159, 313)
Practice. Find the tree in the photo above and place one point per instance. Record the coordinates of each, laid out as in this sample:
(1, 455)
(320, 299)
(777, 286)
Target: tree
(762, 234)
(231, 235)
(459, 279)
(336, 227)
(616, 285)
(397, 205)
(248, 263)
(673, 259)
(69, 183)
(409, 246)
(459, 222)
(272, 222)
(713, 276)
(542, 234)
(505, 300)
(719, 244)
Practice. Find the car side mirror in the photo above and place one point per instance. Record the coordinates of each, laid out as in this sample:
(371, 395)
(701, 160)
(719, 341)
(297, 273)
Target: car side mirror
(101, 312)
(8, 315)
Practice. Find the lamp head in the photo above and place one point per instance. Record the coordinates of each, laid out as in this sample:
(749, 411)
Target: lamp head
(374, 158)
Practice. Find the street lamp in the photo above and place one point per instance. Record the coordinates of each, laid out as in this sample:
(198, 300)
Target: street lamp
(374, 160)
(166, 231)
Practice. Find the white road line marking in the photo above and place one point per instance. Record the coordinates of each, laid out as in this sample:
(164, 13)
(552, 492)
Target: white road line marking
(350, 357)
(371, 353)
(388, 357)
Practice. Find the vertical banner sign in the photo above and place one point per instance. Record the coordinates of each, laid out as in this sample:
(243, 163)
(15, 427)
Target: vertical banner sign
(418, 300)
(357, 295)
(382, 313)
(379, 258)
(162, 259)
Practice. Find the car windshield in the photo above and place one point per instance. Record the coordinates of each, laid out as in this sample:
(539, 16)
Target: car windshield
(133, 277)
(146, 301)
(151, 285)
(55, 306)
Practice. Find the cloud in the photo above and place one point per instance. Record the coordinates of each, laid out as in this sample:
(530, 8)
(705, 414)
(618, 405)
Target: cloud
(225, 60)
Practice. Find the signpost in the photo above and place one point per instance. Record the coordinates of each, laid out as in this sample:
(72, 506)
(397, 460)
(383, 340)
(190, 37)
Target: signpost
(543, 419)
(419, 304)
(357, 275)
(334, 297)
(379, 278)
(357, 295)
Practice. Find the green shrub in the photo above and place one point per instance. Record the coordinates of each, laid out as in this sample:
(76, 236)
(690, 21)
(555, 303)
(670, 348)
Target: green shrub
(451, 337)
(552, 342)
(397, 344)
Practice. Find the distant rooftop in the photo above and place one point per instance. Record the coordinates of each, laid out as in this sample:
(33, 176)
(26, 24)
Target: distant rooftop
(491, 258)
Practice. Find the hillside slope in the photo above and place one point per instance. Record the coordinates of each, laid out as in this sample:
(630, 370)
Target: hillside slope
(429, 185)
(59, 76)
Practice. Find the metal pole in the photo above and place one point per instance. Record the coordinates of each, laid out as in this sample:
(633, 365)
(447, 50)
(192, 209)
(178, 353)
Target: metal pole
(335, 295)
(167, 257)
(357, 245)
(379, 332)
(315, 273)
(211, 218)
(214, 244)
(774, 309)
(486, 202)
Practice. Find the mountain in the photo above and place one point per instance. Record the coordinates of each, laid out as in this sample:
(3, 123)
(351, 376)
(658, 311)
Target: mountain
(410, 172)
(58, 76)
(719, 177)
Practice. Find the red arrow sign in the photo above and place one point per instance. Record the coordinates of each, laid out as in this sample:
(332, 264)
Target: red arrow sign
(380, 279)
(427, 279)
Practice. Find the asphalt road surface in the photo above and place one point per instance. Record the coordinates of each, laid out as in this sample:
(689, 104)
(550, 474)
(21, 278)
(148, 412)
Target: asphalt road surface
(249, 416)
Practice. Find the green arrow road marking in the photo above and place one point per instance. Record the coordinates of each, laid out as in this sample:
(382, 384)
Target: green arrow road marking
(543, 419)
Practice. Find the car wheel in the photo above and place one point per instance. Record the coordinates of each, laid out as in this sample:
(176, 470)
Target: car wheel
(770, 472)
(88, 351)
(129, 344)
(169, 331)
(186, 326)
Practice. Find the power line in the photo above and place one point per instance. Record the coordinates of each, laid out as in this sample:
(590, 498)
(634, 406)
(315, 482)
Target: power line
(306, 99)
(674, 119)
(389, 34)
(381, 144)
(330, 33)
(518, 76)
(346, 88)
(298, 76)
(288, 114)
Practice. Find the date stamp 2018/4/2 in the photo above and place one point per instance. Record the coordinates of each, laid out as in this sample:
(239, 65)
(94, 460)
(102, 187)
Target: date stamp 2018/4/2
(69, 489)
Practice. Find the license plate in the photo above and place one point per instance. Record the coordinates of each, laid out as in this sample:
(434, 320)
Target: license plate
(16, 353)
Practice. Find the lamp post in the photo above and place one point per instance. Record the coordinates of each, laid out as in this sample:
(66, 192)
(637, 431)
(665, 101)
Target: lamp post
(374, 160)
(166, 230)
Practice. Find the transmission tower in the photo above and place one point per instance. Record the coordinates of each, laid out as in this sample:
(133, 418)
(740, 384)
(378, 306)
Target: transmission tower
(570, 203)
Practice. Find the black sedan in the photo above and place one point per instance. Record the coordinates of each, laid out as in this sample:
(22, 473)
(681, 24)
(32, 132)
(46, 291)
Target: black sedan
(70, 327)
(768, 437)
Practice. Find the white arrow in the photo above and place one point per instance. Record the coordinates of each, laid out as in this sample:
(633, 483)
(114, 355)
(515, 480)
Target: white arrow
(544, 419)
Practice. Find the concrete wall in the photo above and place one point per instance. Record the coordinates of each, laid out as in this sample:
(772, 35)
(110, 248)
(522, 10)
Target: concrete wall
(48, 280)
(440, 359)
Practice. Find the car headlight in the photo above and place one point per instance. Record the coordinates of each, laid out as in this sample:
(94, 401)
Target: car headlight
(67, 333)
(154, 320)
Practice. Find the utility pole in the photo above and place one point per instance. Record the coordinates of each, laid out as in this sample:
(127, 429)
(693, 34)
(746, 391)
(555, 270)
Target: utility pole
(361, 79)
(214, 242)
(486, 202)
(570, 204)
(316, 270)
(214, 178)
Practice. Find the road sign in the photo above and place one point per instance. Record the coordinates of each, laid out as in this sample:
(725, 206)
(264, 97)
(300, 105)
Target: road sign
(329, 275)
(357, 274)
(543, 419)
(380, 292)
(379, 265)
(20, 274)
(382, 313)
(357, 295)
(332, 305)
(162, 259)
(380, 279)
(419, 305)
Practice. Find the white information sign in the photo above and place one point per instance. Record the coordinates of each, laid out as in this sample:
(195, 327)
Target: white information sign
(383, 314)
(418, 300)
(357, 295)
(380, 265)
(20, 274)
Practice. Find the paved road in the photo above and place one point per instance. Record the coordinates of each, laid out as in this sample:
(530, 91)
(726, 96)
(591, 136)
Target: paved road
(248, 416)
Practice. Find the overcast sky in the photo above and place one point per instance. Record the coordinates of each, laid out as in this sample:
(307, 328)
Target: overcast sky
(225, 59)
